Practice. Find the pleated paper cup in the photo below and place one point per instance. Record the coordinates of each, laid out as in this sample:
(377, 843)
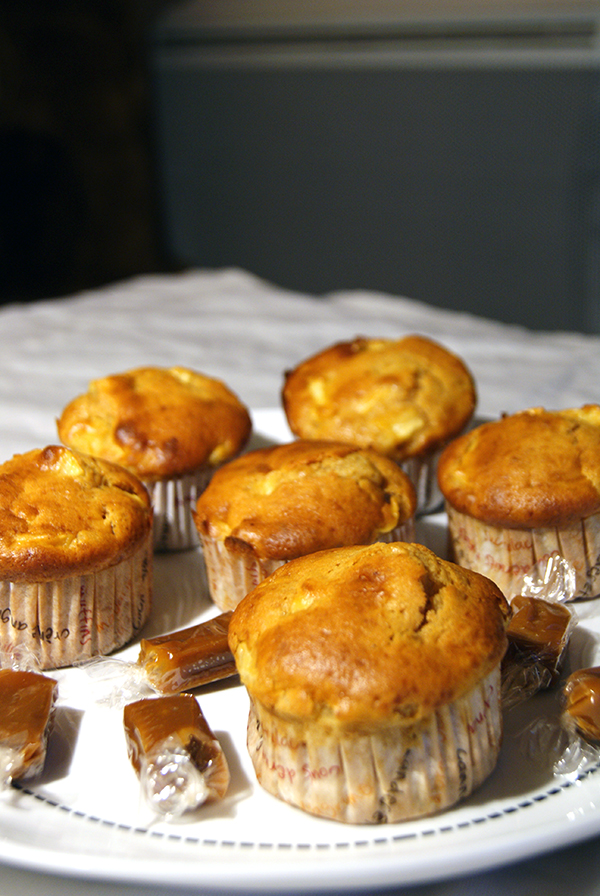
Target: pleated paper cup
(66, 621)
(173, 500)
(388, 775)
(231, 574)
(422, 472)
(506, 555)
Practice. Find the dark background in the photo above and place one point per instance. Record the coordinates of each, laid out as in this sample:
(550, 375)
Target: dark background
(135, 139)
(78, 189)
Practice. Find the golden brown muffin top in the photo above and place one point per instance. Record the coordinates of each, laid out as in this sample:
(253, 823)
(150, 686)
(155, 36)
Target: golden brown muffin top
(157, 421)
(402, 397)
(379, 635)
(532, 469)
(63, 513)
(294, 499)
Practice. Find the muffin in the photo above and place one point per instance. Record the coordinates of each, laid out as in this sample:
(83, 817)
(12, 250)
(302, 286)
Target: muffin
(274, 504)
(75, 556)
(373, 674)
(405, 398)
(524, 489)
(171, 427)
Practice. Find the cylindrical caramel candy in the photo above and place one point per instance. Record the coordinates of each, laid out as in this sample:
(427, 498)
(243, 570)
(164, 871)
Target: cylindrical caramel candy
(179, 761)
(582, 702)
(188, 658)
(26, 712)
(538, 635)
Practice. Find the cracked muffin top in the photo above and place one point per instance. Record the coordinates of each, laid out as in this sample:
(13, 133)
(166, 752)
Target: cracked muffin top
(157, 422)
(293, 499)
(404, 397)
(63, 513)
(532, 469)
(364, 636)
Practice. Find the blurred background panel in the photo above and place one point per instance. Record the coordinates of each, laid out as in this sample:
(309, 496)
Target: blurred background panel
(447, 151)
(79, 202)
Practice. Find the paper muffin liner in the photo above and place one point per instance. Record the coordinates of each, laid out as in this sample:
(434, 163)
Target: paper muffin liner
(69, 620)
(232, 575)
(392, 775)
(422, 472)
(506, 556)
(404, 532)
(173, 500)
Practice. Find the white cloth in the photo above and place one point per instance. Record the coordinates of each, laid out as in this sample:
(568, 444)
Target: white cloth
(232, 325)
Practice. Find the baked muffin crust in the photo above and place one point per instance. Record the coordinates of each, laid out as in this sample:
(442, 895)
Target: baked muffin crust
(402, 397)
(304, 496)
(63, 513)
(157, 422)
(533, 469)
(367, 636)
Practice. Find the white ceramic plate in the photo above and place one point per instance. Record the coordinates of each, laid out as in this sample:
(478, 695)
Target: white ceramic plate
(85, 816)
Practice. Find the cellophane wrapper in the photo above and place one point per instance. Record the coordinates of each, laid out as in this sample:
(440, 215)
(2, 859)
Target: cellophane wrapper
(388, 775)
(172, 783)
(506, 555)
(231, 575)
(67, 621)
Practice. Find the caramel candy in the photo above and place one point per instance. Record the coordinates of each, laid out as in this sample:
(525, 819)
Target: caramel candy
(540, 630)
(582, 702)
(188, 658)
(179, 761)
(26, 712)
(538, 634)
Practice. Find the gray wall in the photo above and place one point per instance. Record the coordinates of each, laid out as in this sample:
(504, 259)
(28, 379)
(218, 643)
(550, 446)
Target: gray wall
(473, 188)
